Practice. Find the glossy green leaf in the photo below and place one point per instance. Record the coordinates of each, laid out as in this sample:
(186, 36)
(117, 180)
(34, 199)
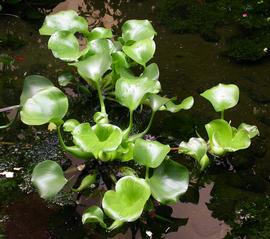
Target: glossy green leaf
(32, 85)
(48, 178)
(224, 138)
(101, 118)
(251, 129)
(70, 125)
(93, 67)
(169, 181)
(64, 45)
(65, 78)
(136, 30)
(222, 96)
(151, 72)
(64, 21)
(93, 214)
(186, 104)
(48, 105)
(114, 225)
(131, 92)
(99, 46)
(126, 203)
(197, 149)
(100, 33)
(150, 153)
(141, 51)
(156, 102)
(86, 182)
(119, 61)
(100, 138)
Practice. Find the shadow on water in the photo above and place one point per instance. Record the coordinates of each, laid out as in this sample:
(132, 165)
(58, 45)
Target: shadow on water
(230, 200)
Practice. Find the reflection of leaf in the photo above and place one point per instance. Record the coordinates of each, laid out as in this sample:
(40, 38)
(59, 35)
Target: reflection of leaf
(126, 203)
(169, 181)
(49, 178)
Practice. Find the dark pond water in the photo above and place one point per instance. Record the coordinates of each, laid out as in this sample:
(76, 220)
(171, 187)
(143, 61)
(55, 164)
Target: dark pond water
(229, 200)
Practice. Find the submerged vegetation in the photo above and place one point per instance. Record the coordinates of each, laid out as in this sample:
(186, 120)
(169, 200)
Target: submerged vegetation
(250, 19)
(135, 170)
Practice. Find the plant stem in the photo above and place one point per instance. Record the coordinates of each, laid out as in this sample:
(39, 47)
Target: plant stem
(163, 219)
(146, 172)
(140, 135)
(11, 122)
(175, 149)
(222, 114)
(61, 141)
(9, 108)
(127, 131)
(101, 101)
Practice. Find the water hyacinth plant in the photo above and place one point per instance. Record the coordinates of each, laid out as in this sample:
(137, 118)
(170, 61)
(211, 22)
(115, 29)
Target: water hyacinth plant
(107, 65)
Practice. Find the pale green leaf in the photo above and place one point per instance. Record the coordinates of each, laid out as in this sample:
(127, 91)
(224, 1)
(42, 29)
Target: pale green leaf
(93, 214)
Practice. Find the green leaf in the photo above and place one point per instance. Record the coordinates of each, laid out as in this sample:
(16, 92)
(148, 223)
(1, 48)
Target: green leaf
(223, 138)
(197, 149)
(114, 225)
(101, 118)
(86, 182)
(49, 178)
(222, 96)
(64, 21)
(100, 33)
(126, 203)
(156, 102)
(251, 129)
(70, 125)
(131, 92)
(186, 104)
(93, 214)
(32, 85)
(98, 139)
(141, 51)
(151, 72)
(48, 105)
(119, 61)
(65, 78)
(64, 45)
(99, 46)
(169, 181)
(93, 67)
(136, 30)
(150, 153)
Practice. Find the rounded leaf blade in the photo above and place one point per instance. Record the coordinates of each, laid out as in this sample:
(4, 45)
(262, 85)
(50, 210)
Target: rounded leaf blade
(150, 153)
(136, 30)
(93, 214)
(127, 202)
(169, 181)
(222, 96)
(48, 178)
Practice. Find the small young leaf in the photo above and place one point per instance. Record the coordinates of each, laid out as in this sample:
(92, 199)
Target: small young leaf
(156, 102)
(70, 125)
(64, 21)
(100, 33)
(49, 178)
(251, 129)
(186, 104)
(65, 78)
(222, 96)
(93, 214)
(64, 45)
(136, 30)
(169, 181)
(86, 182)
(141, 51)
(127, 202)
(197, 149)
(150, 153)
